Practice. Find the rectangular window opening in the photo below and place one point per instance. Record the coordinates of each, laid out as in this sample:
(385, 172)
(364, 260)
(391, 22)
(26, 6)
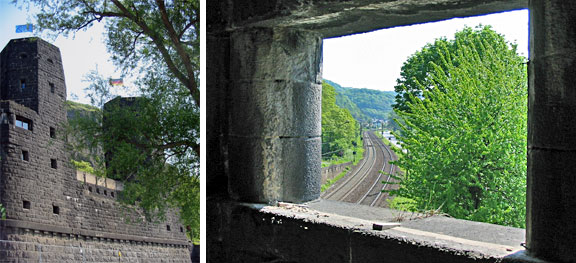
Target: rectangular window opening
(52, 132)
(55, 210)
(23, 123)
(26, 204)
(24, 156)
(54, 163)
(52, 88)
(167, 227)
(369, 104)
(22, 84)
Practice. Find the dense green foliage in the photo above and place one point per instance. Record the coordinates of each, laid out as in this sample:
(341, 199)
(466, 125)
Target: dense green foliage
(465, 134)
(364, 104)
(415, 72)
(340, 130)
(157, 42)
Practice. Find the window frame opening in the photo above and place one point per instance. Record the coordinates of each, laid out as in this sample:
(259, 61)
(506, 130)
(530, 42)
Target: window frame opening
(25, 155)
(26, 204)
(55, 210)
(23, 123)
(54, 163)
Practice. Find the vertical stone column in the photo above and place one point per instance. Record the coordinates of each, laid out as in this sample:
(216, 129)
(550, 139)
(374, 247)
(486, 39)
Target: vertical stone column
(551, 199)
(274, 115)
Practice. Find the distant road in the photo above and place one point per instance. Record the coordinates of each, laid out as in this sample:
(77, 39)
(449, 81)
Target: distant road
(363, 185)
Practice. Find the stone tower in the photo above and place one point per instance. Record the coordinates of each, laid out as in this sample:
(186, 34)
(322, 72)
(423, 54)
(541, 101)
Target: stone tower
(34, 165)
(54, 213)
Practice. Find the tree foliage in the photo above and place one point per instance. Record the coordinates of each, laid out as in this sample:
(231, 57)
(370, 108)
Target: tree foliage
(339, 128)
(415, 73)
(140, 33)
(465, 134)
(157, 41)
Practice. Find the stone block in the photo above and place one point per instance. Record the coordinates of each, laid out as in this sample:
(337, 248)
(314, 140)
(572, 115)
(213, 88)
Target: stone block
(275, 109)
(275, 54)
(275, 169)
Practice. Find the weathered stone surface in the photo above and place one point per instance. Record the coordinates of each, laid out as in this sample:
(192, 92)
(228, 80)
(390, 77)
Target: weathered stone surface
(274, 115)
(280, 169)
(257, 233)
(276, 55)
(333, 18)
(275, 109)
(551, 200)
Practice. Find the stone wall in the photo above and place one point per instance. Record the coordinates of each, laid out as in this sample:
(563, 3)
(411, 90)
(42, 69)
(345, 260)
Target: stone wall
(332, 171)
(45, 203)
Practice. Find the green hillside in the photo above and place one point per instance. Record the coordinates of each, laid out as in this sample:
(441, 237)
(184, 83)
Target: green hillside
(364, 104)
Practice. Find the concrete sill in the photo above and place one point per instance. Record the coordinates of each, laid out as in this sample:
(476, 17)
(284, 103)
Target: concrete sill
(325, 231)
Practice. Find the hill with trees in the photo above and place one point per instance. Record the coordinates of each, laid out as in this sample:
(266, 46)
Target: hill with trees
(364, 104)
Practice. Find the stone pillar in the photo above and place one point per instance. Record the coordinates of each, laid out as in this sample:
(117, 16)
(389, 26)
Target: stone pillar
(274, 115)
(551, 182)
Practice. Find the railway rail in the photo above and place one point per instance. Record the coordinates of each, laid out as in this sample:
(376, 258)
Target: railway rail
(363, 184)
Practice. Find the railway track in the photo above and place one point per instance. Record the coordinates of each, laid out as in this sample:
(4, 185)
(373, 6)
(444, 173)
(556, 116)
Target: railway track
(363, 184)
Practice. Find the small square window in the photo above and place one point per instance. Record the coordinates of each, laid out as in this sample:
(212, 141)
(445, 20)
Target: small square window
(52, 132)
(55, 210)
(181, 230)
(167, 227)
(90, 189)
(54, 163)
(52, 88)
(24, 156)
(26, 204)
(22, 84)
(51, 61)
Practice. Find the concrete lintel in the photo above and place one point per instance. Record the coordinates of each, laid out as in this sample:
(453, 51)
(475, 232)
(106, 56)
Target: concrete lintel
(337, 18)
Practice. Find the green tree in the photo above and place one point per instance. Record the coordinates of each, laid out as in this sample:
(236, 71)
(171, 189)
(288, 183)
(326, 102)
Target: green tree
(415, 73)
(339, 128)
(156, 41)
(465, 136)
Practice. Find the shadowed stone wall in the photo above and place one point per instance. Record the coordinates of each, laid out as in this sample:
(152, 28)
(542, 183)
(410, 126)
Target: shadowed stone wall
(248, 40)
(45, 203)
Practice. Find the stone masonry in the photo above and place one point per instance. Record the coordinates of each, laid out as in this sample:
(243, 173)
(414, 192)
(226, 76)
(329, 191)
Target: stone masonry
(51, 215)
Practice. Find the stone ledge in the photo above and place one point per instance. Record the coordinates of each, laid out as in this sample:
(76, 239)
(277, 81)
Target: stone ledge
(87, 233)
(299, 233)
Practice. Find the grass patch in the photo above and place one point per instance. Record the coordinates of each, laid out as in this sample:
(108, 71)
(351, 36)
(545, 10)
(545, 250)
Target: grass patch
(330, 182)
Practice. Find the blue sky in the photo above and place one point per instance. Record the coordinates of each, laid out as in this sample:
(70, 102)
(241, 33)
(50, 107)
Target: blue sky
(373, 60)
(81, 52)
